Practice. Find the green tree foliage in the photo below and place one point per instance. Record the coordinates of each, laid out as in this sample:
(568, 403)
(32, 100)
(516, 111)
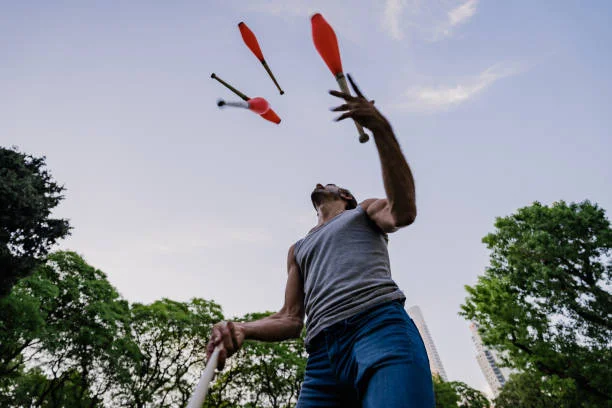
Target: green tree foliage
(171, 340)
(545, 299)
(73, 331)
(69, 340)
(266, 375)
(28, 194)
(21, 325)
(531, 390)
(469, 397)
(65, 393)
(453, 394)
(445, 394)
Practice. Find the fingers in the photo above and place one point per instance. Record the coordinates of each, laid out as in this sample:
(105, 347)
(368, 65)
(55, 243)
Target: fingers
(354, 86)
(347, 96)
(353, 105)
(214, 341)
(221, 359)
(342, 95)
(227, 337)
(360, 109)
(218, 341)
(233, 336)
(361, 113)
(343, 116)
(344, 107)
(209, 349)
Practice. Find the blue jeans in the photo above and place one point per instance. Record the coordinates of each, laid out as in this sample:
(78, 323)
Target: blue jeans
(373, 359)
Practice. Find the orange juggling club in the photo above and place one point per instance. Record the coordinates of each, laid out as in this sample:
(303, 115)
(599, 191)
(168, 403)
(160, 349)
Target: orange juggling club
(326, 43)
(271, 116)
(251, 41)
(257, 105)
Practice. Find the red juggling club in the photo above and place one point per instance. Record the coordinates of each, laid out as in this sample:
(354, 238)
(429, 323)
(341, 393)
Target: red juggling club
(251, 41)
(326, 43)
(269, 115)
(258, 105)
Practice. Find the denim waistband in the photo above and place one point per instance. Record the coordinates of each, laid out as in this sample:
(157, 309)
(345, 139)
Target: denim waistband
(319, 339)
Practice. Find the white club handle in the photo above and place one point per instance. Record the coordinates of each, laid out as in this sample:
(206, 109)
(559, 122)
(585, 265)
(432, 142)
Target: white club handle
(199, 394)
(341, 79)
(240, 104)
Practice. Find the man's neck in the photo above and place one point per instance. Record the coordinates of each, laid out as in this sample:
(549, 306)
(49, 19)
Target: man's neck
(327, 211)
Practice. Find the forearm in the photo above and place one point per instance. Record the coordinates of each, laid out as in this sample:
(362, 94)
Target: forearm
(276, 327)
(397, 176)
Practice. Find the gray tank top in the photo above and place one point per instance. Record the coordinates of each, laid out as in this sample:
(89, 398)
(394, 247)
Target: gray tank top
(345, 269)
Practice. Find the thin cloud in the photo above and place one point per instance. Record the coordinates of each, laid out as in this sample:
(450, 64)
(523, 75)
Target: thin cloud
(391, 18)
(462, 13)
(454, 18)
(431, 99)
(431, 20)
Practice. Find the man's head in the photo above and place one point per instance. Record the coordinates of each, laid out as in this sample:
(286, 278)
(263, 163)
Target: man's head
(331, 192)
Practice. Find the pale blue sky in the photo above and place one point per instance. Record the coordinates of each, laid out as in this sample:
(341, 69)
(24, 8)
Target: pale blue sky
(495, 104)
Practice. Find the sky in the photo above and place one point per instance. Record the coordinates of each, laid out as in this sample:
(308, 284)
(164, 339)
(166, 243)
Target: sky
(495, 105)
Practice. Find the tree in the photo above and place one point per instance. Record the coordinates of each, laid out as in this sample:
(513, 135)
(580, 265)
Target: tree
(171, 341)
(28, 194)
(33, 383)
(469, 397)
(73, 334)
(68, 339)
(544, 302)
(530, 389)
(445, 394)
(261, 374)
(455, 394)
(21, 323)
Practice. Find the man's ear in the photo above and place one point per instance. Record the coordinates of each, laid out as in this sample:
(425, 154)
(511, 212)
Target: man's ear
(345, 195)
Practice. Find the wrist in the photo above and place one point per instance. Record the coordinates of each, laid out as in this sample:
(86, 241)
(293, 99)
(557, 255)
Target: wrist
(382, 126)
(383, 132)
(243, 328)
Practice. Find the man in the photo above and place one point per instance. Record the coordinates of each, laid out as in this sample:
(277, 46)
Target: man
(363, 348)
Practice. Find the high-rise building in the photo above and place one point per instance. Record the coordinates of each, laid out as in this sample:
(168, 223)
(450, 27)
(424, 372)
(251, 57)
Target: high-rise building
(435, 364)
(489, 363)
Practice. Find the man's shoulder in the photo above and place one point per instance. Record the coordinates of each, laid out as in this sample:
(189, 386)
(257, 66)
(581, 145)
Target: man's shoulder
(369, 202)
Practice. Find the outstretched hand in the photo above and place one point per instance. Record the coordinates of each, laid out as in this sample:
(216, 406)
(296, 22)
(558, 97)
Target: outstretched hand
(360, 109)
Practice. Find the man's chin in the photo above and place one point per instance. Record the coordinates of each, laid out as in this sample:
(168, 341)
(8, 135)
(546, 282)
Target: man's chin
(317, 196)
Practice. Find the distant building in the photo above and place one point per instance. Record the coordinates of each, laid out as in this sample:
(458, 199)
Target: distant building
(435, 364)
(489, 363)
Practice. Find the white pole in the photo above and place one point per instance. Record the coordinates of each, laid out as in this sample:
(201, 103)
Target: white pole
(199, 394)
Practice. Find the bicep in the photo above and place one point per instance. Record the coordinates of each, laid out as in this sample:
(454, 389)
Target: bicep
(294, 290)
